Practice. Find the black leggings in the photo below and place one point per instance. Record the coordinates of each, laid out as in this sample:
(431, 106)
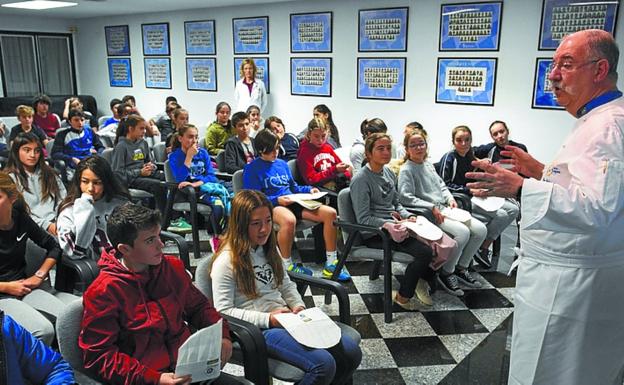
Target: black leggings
(422, 254)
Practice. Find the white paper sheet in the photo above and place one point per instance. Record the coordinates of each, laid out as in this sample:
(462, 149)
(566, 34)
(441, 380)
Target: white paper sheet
(489, 204)
(311, 328)
(307, 196)
(200, 354)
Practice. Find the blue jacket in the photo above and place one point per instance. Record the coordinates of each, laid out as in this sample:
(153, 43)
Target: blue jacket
(272, 178)
(453, 168)
(289, 146)
(25, 358)
(70, 144)
(201, 167)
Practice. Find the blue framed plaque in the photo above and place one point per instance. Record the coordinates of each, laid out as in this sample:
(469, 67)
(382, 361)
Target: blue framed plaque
(466, 81)
(310, 76)
(543, 95)
(563, 17)
(470, 26)
(117, 40)
(262, 63)
(155, 39)
(311, 32)
(381, 78)
(157, 72)
(120, 72)
(251, 35)
(383, 30)
(199, 37)
(201, 74)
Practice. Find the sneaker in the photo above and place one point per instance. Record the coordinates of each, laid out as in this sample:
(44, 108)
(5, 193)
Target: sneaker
(409, 305)
(179, 226)
(483, 258)
(299, 268)
(450, 284)
(464, 277)
(422, 292)
(331, 267)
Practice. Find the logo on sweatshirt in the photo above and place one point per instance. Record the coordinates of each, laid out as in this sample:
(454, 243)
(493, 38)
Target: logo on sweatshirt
(20, 237)
(264, 273)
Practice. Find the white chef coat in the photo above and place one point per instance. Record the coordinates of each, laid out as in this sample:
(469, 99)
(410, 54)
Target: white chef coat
(243, 99)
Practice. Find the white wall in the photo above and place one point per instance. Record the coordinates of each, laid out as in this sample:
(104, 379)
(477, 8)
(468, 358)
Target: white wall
(541, 130)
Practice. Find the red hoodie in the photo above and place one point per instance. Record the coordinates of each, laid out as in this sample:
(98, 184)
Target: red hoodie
(133, 323)
(317, 165)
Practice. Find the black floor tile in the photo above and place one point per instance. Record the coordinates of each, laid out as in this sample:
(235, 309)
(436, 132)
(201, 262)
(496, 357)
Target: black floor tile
(378, 377)
(419, 351)
(454, 322)
(499, 279)
(485, 299)
(374, 303)
(364, 324)
(488, 363)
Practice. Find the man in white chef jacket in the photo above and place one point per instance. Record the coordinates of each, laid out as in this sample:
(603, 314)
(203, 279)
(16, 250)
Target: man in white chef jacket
(569, 301)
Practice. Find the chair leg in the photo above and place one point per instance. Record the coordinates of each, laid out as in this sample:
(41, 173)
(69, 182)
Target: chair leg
(374, 274)
(195, 229)
(387, 272)
(496, 246)
(319, 243)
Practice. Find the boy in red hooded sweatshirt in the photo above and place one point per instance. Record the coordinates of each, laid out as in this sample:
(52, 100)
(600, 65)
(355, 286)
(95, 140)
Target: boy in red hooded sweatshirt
(138, 310)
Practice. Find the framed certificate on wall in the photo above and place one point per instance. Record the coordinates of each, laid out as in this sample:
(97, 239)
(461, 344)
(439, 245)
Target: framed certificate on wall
(310, 76)
(201, 74)
(251, 35)
(262, 64)
(543, 95)
(470, 26)
(383, 30)
(117, 40)
(199, 37)
(466, 81)
(157, 72)
(311, 32)
(381, 78)
(155, 39)
(120, 72)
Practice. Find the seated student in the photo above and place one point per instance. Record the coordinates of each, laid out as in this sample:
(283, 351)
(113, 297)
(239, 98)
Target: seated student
(162, 121)
(367, 127)
(74, 103)
(272, 176)
(141, 307)
(239, 149)
(25, 117)
(249, 282)
(376, 203)
(93, 194)
(132, 162)
(44, 119)
(420, 187)
(453, 168)
(76, 142)
(255, 120)
(41, 188)
(180, 118)
(109, 126)
(220, 130)
(289, 144)
(318, 163)
(28, 360)
(323, 112)
(409, 127)
(500, 136)
(191, 166)
(22, 296)
(4, 140)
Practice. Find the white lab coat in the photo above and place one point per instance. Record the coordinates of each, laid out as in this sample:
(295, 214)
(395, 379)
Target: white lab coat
(569, 301)
(243, 99)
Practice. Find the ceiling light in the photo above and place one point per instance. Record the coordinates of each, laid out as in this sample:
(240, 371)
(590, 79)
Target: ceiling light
(39, 4)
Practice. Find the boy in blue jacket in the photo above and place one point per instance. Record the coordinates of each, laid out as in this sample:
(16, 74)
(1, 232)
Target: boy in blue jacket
(76, 142)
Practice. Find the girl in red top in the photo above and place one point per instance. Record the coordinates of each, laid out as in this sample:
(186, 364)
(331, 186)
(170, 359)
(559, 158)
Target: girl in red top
(318, 163)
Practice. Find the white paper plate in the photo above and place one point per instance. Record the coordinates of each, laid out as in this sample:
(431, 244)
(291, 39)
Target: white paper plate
(489, 204)
(456, 214)
(424, 228)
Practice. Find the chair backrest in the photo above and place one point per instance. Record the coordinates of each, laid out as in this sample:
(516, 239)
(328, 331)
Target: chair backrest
(237, 181)
(49, 147)
(160, 152)
(168, 173)
(346, 213)
(108, 155)
(294, 170)
(221, 161)
(202, 277)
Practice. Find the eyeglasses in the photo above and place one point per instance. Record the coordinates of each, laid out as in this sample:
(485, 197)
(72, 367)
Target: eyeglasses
(567, 65)
(417, 145)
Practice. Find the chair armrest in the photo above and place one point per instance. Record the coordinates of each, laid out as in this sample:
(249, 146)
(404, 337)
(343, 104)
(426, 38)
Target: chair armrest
(355, 227)
(160, 166)
(253, 347)
(344, 306)
(463, 201)
(86, 270)
(181, 244)
(223, 175)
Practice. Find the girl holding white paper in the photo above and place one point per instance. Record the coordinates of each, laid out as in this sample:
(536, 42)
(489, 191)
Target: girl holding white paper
(420, 187)
(249, 282)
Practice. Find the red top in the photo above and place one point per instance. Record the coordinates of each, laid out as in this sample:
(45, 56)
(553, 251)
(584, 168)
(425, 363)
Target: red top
(133, 323)
(49, 124)
(317, 165)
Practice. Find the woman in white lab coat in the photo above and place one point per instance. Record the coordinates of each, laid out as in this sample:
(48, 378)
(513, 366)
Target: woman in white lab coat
(249, 90)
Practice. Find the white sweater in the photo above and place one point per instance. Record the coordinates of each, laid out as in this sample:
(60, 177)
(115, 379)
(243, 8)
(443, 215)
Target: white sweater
(229, 300)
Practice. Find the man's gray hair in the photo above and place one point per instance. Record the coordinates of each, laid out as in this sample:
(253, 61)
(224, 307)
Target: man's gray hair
(602, 45)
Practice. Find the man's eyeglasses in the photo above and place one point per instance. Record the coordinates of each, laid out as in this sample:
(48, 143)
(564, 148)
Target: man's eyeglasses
(567, 65)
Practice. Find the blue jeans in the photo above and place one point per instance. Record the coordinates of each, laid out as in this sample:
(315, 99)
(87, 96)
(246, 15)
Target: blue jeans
(321, 366)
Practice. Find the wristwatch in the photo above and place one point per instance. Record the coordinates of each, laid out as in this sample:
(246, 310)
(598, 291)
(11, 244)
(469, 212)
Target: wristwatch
(41, 274)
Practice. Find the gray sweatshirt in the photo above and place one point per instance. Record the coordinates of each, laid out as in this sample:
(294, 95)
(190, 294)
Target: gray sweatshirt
(375, 197)
(420, 187)
(81, 227)
(128, 159)
(43, 212)
(229, 300)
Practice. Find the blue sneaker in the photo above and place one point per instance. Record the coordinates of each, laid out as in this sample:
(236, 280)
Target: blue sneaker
(329, 270)
(299, 268)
